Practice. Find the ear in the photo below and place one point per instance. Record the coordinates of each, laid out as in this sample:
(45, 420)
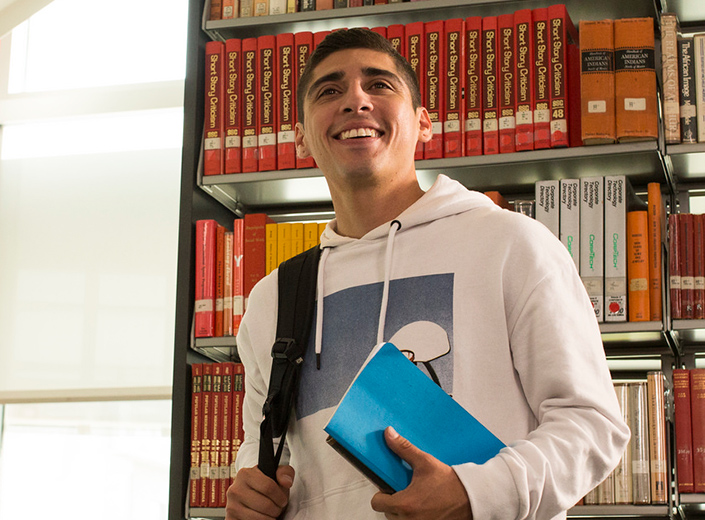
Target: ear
(302, 151)
(425, 125)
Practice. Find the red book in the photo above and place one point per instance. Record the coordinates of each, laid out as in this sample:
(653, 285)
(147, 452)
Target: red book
(213, 138)
(687, 265)
(381, 29)
(453, 127)
(415, 49)
(674, 265)
(524, 57)
(219, 279)
(434, 86)
(206, 434)
(196, 398)
(562, 36)
(542, 75)
(318, 37)
(506, 83)
(250, 99)
(286, 102)
(473, 85)
(303, 45)
(225, 435)
(233, 106)
(490, 95)
(215, 430)
(683, 427)
(238, 273)
(266, 88)
(204, 308)
(395, 34)
(697, 413)
(254, 250)
(699, 267)
(238, 433)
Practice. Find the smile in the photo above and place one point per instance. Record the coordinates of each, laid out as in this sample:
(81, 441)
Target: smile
(355, 133)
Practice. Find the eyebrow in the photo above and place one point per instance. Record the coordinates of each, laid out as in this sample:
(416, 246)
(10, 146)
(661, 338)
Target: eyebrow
(338, 75)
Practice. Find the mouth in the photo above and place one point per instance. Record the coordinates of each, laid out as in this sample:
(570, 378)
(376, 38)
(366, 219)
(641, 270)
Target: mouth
(359, 133)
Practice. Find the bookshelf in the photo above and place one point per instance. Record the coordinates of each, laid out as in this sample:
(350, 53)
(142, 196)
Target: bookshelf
(679, 168)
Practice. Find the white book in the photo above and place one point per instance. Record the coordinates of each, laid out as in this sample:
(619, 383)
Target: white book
(699, 48)
(547, 205)
(277, 6)
(639, 426)
(592, 228)
(669, 71)
(569, 220)
(616, 248)
(623, 472)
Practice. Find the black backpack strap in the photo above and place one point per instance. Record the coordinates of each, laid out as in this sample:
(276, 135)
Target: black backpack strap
(297, 297)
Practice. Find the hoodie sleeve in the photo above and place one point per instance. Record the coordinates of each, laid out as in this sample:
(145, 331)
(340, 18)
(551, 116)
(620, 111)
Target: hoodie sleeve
(559, 360)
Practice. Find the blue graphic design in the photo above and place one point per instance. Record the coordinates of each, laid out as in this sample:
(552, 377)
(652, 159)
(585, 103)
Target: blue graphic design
(350, 319)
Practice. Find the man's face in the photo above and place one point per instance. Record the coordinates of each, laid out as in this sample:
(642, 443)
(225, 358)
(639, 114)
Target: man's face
(359, 117)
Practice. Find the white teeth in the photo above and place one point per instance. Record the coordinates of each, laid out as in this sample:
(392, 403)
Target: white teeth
(358, 132)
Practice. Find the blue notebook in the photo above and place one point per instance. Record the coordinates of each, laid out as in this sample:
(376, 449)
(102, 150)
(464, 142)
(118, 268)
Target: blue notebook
(390, 390)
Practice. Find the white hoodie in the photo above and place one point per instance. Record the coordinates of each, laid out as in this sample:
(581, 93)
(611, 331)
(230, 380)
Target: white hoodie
(492, 300)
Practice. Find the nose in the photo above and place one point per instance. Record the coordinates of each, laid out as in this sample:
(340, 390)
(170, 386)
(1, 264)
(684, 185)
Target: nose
(357, 99)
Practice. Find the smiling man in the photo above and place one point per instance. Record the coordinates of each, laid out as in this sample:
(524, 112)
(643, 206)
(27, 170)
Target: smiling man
(487, 300)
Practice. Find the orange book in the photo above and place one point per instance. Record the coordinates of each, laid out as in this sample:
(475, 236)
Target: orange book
(196, 397)
(506, 83)
(233, 105)
(266, 90)
(656, 223)
(219, 279)
(238, 273)
(638, 266)
(261, 7)
(324, 4)
(213, 138)
(597, 81)
(524, 37)
(683, 429)
(498, 199)
(231, 9)
(415, 54)
(303, 46)
(286, 102)
(453, 96)
(250, 104)
(434, 86)
(697, 412)
(674, 269)
(215, 431)
(216, 12)
(542, 74)
(225, 435)
(636, 105)
(204, 306)
(254, 250)
(237, 431)
(473, 86)
(490, 94)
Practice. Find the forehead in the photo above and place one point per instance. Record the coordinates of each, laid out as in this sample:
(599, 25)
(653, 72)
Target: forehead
(354, 61)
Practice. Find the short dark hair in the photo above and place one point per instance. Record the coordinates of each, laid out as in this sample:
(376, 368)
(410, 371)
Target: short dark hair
(356, 38)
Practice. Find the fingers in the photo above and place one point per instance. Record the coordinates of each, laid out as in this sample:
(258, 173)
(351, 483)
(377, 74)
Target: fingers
(404, 448)
(254, 496)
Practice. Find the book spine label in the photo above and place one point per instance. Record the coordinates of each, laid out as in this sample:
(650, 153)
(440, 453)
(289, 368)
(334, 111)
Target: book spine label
(238, 273)
(592, 241)
(266, 77)
(435, 86)
(473, 86)
(213, 138)
(286, 113)
(204, 308)
(669, 71)
(233, 94)
(523, 35)
(490, 95)
(569, 218)
(507, 91)
(303, 45)
(686, 91)
(250, 99)
(547, 205)
(615, 248)
(597, 81)
(415, 48)
(453, 99)
(542, 74)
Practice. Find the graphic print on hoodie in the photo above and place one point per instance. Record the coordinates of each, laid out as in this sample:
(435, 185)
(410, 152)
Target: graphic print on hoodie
(418, 319)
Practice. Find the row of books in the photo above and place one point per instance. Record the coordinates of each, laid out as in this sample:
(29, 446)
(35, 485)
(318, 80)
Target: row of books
(641, 476)
(689, 414)
(217, 395)
(494, 84)
(230, 263)
(614, 239)
(683, 72)
(686, 266)
(227, 9)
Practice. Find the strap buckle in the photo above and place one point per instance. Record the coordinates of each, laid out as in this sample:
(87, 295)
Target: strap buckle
(285, 348)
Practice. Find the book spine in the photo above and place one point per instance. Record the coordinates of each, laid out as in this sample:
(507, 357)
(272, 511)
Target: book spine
(623, 471)
(490, 95)
(206, 411)
(395, 35)
(213, 138)
(254, 250)
(656, 224)
(238, 433)
(215, 429)
(635, 79)
(699, 58)
(592, 228)
(292, 6)
(261, 7)
(238, 273)
(542, 73)
(272, 260)
(297, 238)
(669, 72)
(266, 78)
(414, 36)
(473, 86)
(228, 285)
(686, 97)
(699, 267)
(638, 265)
(219, 279)
(233, 108)
(523, 36)
(597, 82)
(380, 29)
(569, 218)
(308, 5)
(277, 7)
(283, 242)
(435, 85)
(562, 34)
(687, 265)
(204, 308)
(453, 127)
(674, 269)
(657, 437)
(322, 5)
(247, 8)
(683, 430)
(231, 9)
(311, 237)
(286, 102)
(697, 411)
(196, 398)
(225, 433)
(638, 425)
(615, 248)
(216, 10)
(605, 491)
(250, 99)
(547, 205)
(303, 45)
(506, 83)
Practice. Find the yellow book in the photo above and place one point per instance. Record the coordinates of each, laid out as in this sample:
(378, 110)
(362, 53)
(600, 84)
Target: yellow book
(311, 237)
(283, 242)
(271, 248)
(297, 238)
(321, 227)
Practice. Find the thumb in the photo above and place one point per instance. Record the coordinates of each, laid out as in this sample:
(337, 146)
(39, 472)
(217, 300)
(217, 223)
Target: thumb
(403, 447)
(285, 476)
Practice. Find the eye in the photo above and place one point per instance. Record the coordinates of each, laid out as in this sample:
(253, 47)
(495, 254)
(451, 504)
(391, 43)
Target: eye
(379, 84)
(327, 91)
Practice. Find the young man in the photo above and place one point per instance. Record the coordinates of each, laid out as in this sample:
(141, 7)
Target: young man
(488, 297)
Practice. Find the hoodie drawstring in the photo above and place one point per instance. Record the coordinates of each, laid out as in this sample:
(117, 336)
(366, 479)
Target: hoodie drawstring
(319, 307)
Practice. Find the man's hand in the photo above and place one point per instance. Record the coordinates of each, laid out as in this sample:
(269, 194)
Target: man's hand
(435, 492)
(255, 496)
